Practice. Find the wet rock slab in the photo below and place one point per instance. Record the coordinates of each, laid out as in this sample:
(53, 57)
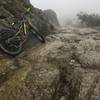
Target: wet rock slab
(58, 70)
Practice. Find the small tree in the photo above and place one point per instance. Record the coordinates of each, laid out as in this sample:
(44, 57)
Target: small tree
(89, 19)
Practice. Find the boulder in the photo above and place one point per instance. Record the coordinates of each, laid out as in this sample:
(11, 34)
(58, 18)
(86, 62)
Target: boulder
(36, 16)
(88, 53)
(52, 17)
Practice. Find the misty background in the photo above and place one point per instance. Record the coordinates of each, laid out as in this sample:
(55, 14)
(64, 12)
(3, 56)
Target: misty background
(68, 9)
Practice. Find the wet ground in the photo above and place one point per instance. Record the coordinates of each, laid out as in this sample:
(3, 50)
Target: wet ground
(66, 66)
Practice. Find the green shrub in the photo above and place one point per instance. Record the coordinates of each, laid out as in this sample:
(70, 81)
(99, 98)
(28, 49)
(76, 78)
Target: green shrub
(89, 19)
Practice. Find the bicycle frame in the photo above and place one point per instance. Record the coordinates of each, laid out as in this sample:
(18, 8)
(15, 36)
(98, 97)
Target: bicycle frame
(17, 35)
(21, 34)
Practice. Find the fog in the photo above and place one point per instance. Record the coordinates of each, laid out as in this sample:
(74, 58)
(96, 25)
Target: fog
(68, 8)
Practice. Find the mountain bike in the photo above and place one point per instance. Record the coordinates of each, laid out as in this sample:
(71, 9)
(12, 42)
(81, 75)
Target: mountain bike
(13, 39)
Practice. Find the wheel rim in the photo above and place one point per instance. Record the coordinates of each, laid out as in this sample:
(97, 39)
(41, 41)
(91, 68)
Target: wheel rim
(9, 48)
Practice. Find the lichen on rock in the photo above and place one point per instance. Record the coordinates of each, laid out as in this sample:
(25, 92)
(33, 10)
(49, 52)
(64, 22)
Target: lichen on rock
(66, 67)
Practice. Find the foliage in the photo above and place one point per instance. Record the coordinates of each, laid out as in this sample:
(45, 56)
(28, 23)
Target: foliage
(89, 19)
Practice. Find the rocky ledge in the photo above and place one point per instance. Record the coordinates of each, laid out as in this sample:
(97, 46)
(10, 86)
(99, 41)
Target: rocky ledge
(67, 67)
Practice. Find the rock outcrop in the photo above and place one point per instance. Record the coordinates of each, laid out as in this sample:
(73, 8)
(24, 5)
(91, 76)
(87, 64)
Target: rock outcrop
(65, 68)
(15, 9)
(52, 17)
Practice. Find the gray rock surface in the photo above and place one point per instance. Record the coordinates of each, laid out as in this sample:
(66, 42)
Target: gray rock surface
(18, 8)
(52, 17)
(66, 67)
(53, 71)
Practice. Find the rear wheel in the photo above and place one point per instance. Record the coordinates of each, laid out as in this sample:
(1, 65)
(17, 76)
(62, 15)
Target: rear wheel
(13, 47)
(10, 49)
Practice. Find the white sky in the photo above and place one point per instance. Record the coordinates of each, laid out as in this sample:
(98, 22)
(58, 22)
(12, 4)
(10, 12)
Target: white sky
(68, 8)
